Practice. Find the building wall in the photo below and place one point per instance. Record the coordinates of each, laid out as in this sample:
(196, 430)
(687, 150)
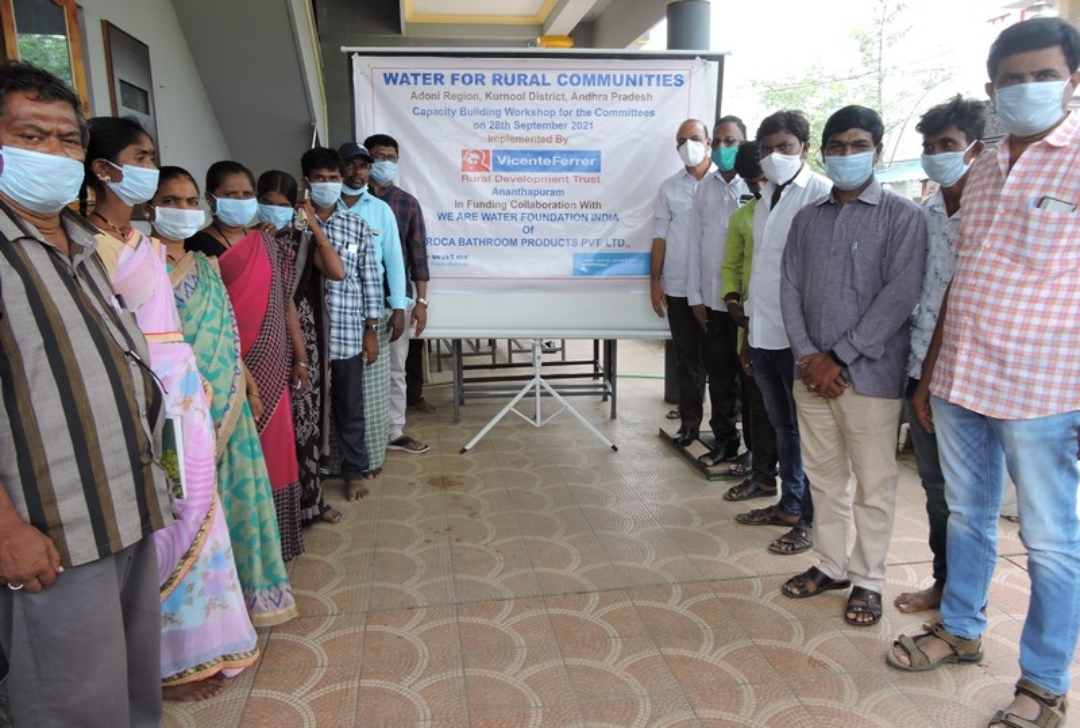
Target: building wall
(188, 131)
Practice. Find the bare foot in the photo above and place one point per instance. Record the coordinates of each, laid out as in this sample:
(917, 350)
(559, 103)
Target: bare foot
(1022, 706)
(931, 645)
(195, 691)
(332, 516)
(919, 601)
(355, 490)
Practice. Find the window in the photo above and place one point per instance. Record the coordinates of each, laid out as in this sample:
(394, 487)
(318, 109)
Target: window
(46, 34)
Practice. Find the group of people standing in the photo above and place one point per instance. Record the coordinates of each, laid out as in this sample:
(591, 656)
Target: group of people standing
(167, 397)
(828, 303)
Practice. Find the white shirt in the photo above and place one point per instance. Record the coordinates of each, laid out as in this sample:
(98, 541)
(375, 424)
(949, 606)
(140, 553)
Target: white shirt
(715, 201)
(770, 237)
(674, 223)
(940, 266)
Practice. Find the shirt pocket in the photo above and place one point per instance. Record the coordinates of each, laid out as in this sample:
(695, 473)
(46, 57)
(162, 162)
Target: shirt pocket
(1046, 241)
(867, 267)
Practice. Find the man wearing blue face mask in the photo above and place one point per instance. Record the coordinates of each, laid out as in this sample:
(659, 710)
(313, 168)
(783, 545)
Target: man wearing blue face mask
(357, 197)
(80, 433)
(1001, 374)
(850, 278)
(952, 139)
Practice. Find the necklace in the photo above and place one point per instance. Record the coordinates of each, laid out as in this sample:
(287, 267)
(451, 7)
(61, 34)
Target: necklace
(118, 231)
(224, 237)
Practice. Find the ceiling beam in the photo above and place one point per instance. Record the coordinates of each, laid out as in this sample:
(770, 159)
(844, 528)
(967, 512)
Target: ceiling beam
(566, 15)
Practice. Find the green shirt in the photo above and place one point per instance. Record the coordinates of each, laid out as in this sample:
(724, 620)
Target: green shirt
(738, 252)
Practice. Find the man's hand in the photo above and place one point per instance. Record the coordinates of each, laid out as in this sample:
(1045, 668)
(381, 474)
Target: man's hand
(659, 303)
(27, 556)
(395, 327)
(370, 347)
(920, 403)
(701, 315)
(744, 359)
(822, 375)
(301, 379)
(419, 318)
(738, 315)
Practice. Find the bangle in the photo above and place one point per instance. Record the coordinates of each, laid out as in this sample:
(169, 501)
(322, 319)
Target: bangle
(304, 364)
(254, 395)
(325, 243)
(422, 300)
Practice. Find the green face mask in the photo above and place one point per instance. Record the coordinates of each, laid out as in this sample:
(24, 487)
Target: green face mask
(724, 158)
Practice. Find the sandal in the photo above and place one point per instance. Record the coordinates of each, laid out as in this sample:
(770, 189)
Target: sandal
(863, 601)
(749, 489)
(795, 541)
(674, 414)
(409, 445)
(769, 516)
(1051, 709)
(963, 650)
(796, 586)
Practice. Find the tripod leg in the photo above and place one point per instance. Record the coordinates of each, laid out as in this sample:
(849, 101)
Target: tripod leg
(580, 417)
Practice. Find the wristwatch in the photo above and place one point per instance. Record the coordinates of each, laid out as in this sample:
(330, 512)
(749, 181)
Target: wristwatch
(423, 301)
(373, 328)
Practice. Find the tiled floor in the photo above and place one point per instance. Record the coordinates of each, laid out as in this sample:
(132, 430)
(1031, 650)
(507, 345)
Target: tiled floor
(544, 581)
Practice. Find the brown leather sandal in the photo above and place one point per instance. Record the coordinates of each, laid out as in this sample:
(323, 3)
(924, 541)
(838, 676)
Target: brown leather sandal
(1051, 709)
(963, 651)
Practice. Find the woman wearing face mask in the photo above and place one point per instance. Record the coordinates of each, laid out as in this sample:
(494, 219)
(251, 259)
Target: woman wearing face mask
(207, 636)
(315, 258)
(257, 269)
(210, 328)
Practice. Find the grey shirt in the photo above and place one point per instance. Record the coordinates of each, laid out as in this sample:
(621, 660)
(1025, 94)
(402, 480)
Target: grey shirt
(851, 277)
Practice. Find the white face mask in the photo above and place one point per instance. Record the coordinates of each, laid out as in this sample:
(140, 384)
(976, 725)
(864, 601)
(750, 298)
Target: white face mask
(174, 223)
(946, 168)
(692, 152)
(1029, 108)
(780, 168)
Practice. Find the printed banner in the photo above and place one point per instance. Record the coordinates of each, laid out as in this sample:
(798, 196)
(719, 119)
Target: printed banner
(542, 179)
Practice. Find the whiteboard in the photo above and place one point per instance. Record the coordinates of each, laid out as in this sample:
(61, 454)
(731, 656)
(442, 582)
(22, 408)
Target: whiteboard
(525, 300)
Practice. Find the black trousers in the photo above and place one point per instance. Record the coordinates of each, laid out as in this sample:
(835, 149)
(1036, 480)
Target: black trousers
(721, 352)
(687, 341)
(414, 372)
(760, 435)
(347, 401)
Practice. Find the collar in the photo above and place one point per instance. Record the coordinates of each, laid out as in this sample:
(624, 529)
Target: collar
(871, 195)
(1063, 135)
(712, 168)
(79, 231)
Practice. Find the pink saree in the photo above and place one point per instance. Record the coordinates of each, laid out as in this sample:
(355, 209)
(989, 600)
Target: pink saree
(257, 270)
(205, 625)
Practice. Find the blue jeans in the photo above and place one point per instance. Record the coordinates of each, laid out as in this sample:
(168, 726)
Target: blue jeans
(928, 462)
(774, 371)
(1041, 455)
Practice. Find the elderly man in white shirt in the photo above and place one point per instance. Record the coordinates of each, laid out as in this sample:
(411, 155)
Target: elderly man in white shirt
(673, 239)
(716, 199)
(784, 142)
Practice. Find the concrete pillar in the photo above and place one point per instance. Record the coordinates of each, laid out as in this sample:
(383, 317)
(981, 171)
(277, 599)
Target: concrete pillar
(687, 30)
(688, 25)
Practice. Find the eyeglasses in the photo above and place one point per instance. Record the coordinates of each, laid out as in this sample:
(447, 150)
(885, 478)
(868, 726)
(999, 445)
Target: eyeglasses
(379, 157)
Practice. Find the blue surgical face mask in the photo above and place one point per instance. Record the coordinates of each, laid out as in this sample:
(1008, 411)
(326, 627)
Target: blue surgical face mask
(277, 215)
(138, 185)
(384, 171)
(177, 223)
(724, 158)
(848, 172)
(236, 213)
(43, 183)
(1029, 108)
(325, 194)
(946, 168)
(353, 191)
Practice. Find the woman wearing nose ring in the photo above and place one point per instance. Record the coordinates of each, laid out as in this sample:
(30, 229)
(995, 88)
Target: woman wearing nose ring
(207, 636)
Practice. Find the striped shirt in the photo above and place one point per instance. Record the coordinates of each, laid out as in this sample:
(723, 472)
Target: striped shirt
(410, 219)
(80, 427)
(359, 295)
(1012, 325)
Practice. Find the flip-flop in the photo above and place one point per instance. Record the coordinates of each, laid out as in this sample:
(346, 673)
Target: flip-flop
(409, 445)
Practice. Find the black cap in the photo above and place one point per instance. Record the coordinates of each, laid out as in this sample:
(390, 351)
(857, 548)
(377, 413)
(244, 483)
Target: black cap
(348, 150)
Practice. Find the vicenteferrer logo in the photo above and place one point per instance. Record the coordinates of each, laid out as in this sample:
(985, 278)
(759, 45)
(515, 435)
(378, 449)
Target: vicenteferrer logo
(475, 160)
(545, 160)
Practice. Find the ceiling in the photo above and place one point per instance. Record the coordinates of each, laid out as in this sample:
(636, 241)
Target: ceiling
(554, 17)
